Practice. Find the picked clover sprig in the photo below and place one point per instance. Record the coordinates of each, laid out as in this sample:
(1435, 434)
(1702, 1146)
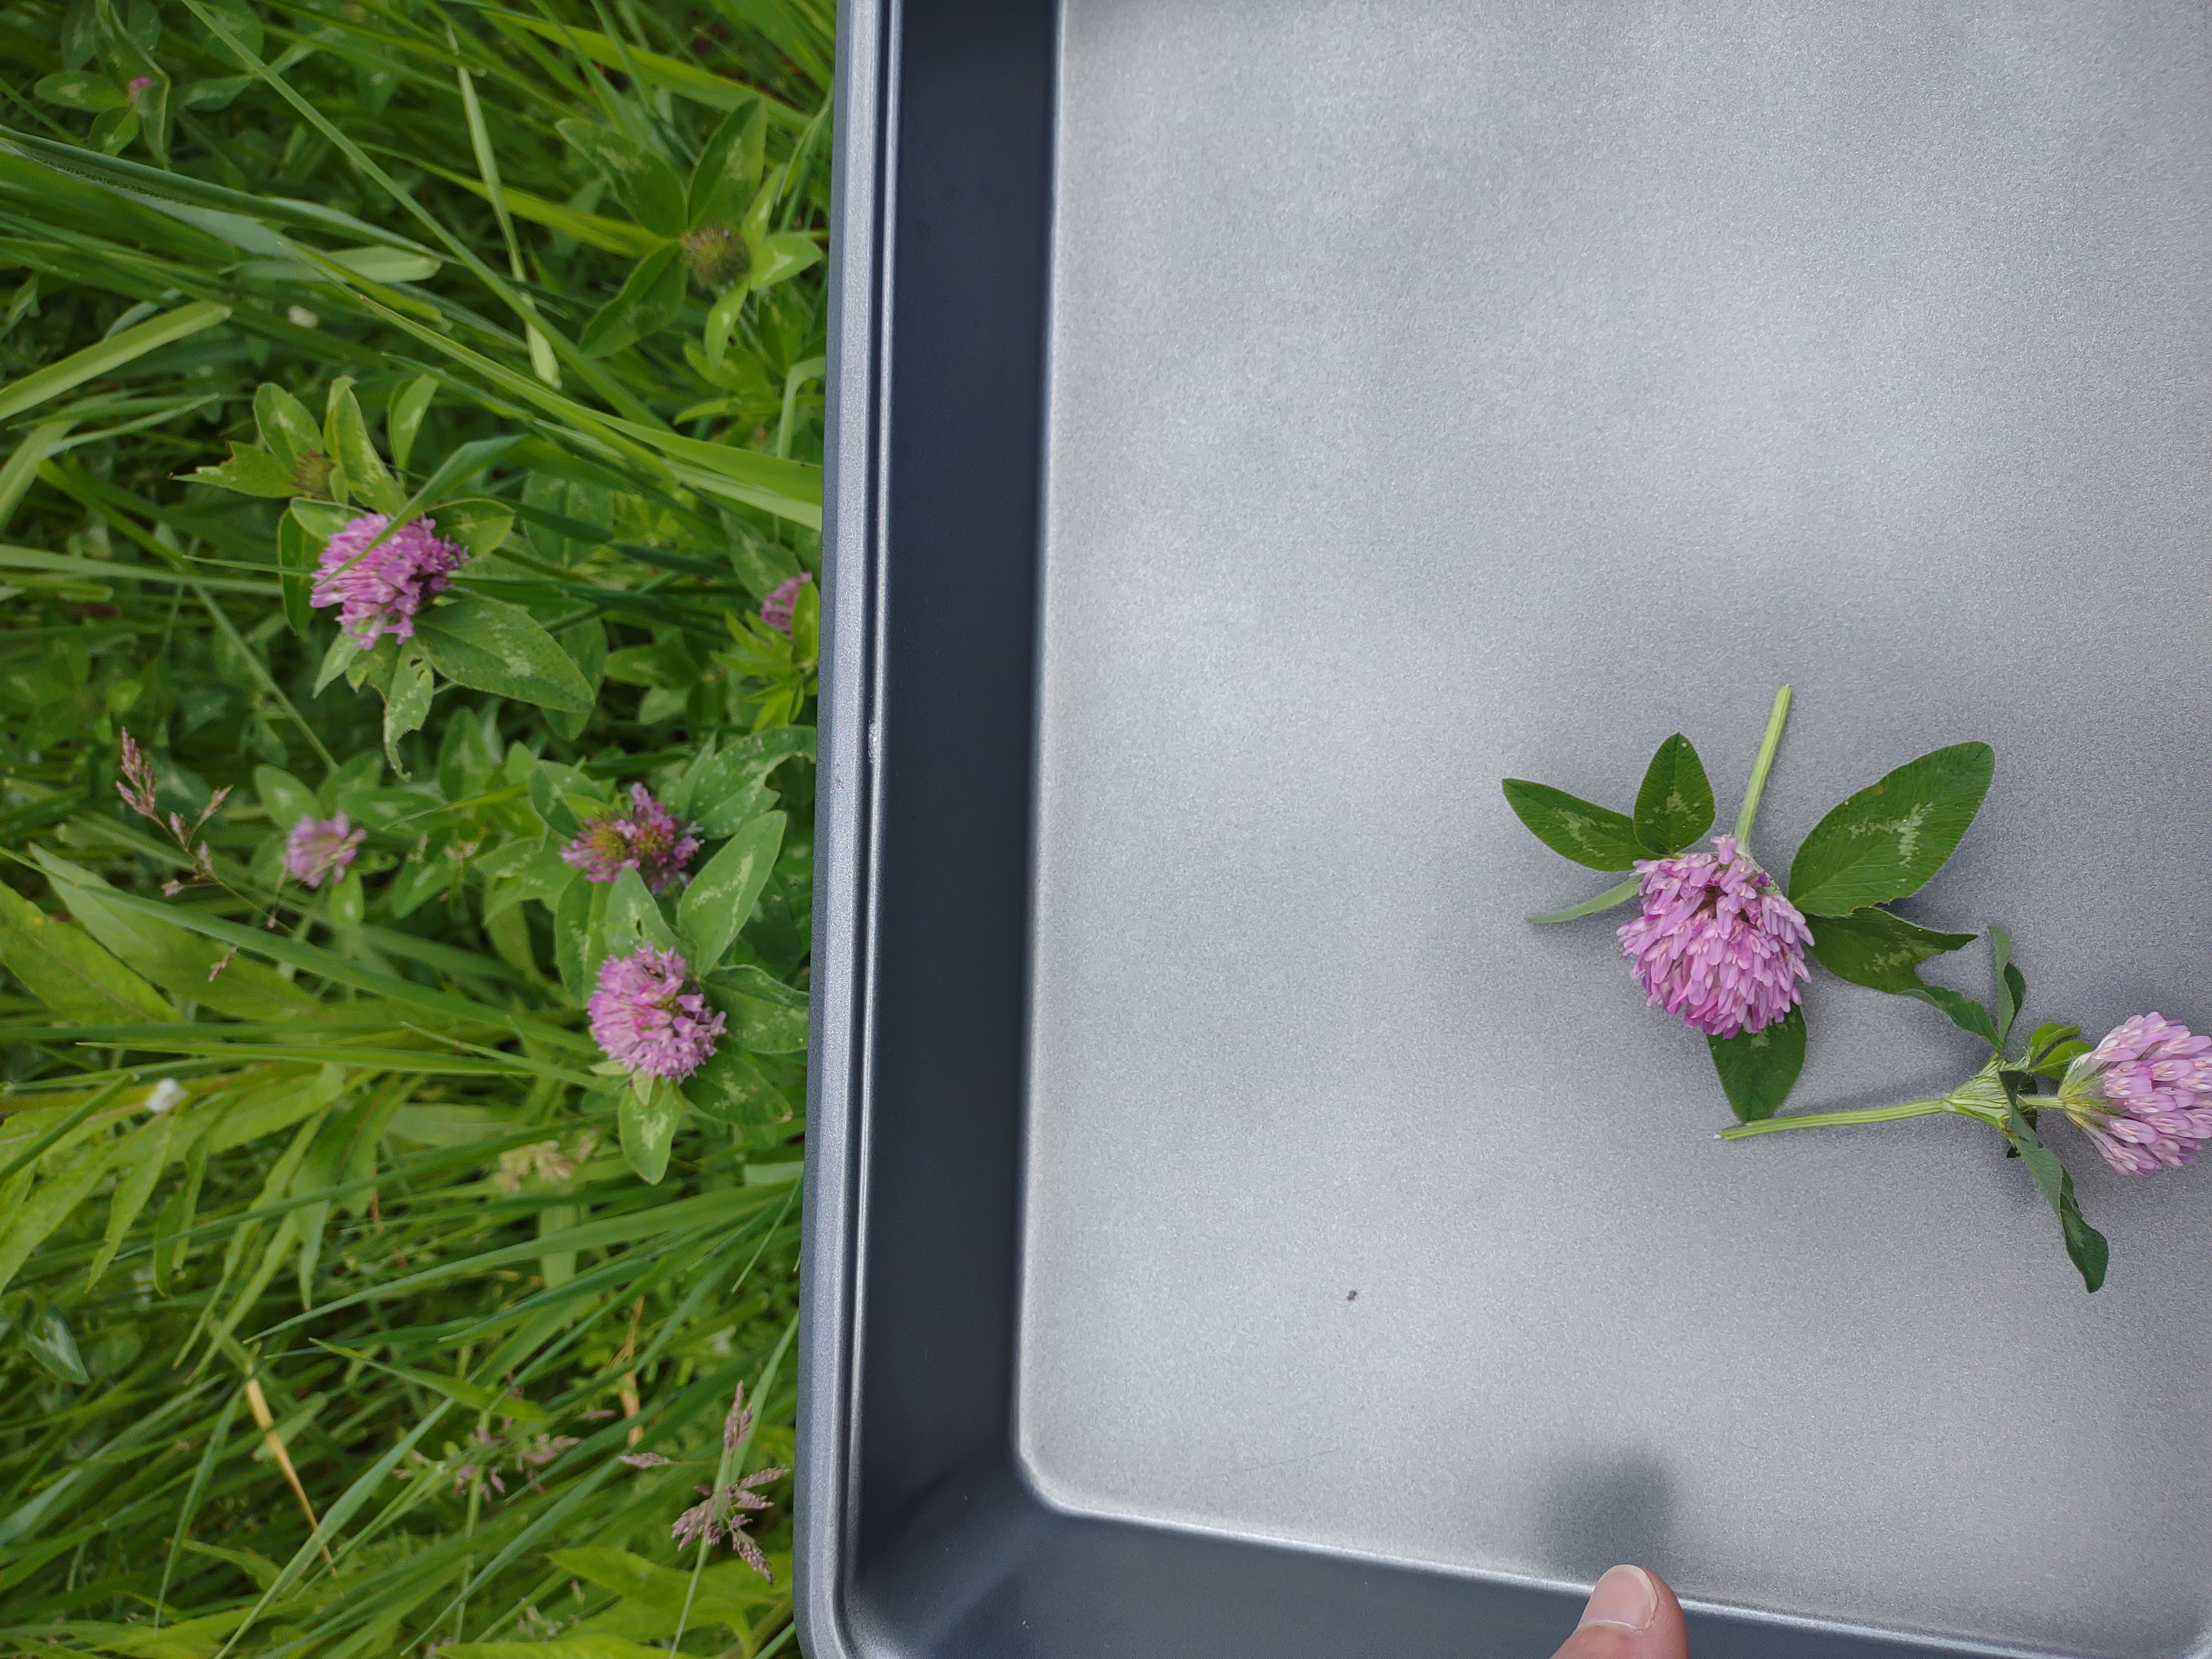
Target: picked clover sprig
(2143, 1096)
(1721, 948)
(1717, 944)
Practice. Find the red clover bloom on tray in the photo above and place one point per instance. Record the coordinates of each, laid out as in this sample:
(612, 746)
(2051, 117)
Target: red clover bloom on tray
(1716, 946)
(379, 587)
(2143, 1096)
(317, 847)
(648, 839)
(649, 1016)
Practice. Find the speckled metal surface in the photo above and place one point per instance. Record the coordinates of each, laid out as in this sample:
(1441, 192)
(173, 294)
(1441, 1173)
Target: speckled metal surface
(1440, 393)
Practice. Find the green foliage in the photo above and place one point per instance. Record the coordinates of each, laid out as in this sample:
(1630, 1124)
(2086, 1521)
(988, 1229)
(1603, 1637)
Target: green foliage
(336, 1280)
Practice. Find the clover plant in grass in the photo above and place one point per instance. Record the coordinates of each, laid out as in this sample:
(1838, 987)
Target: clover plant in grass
(410, 430)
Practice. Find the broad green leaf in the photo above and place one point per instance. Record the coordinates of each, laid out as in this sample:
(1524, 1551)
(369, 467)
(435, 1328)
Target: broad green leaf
(113, 129)
(2012, 984)
(766, 1016)
(480, 525)
(249, 472)
(1872, 947)
(95, 362)
(2086, 1247)
(667, 1587)
(780, 257)
(406, 701)
(1592, 835)
(322, 520)
(489, 645)
(643, 182)
(2061, 1055)
(172, 957)
(730, 1088)
(299, 552)
(30, 1224)
(632, 920)
(47, 1334)
(1674, 806)
(648, 1123)
(82, 91)
(1890, 837)
(345, 434)
(69, 971)
(287, 430)
(2047, 1037)
(725, 796)
(729, 169)
(1589, 907)
(721, 896)
(577, 920)
(403, 418)
(145, 1154)
(1757, 1069)
(286, 799)
(1962, 1011)
(648, 302)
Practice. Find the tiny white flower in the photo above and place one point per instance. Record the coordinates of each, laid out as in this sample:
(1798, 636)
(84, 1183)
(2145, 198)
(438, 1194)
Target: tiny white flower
(302, 317)
(164, 1096)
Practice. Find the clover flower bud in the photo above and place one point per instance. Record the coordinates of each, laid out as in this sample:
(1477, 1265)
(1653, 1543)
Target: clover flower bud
(2143, 1096)
(317, 847)
(648, 839)
(776, 610)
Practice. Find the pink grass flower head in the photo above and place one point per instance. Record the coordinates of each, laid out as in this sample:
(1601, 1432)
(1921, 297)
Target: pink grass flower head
(317, 848)
(379, 591)
(646, 839)
(776, 610)
(136, 784)
(644, 1019)
(1716, 946)
(2143, 1095)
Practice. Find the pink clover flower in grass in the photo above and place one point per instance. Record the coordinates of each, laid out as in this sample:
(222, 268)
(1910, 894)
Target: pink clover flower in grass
(775, 611)
(2143, 1095)
(320, 847)
(379, 590)
(646, 839)
(1716, 946)
(645, 1018)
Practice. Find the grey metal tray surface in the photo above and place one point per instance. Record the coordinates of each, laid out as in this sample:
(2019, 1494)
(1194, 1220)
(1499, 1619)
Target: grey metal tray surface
(1261, 425)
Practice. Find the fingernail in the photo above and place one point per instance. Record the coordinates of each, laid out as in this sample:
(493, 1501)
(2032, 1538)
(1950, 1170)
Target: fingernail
(1623, 1598)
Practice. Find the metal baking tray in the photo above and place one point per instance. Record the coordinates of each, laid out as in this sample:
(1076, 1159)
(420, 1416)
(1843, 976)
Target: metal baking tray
(1261, 425)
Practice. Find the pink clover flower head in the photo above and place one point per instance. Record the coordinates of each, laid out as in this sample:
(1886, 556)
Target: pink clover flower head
(776, 609)
(2143, 1095)
(379, 590)
(645, 1018)
(1716, 946)
(646, 839)
(320, 847)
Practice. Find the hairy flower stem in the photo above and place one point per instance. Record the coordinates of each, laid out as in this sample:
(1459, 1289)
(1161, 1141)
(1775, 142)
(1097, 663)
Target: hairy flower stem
(1980, 1096)
(1760, 768)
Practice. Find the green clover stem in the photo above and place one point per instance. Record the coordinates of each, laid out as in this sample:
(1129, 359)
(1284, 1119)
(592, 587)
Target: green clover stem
(1833, 1120)
(1760, 766)
(1981, 1096)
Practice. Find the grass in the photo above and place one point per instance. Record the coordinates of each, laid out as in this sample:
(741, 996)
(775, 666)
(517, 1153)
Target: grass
(349, 1305)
